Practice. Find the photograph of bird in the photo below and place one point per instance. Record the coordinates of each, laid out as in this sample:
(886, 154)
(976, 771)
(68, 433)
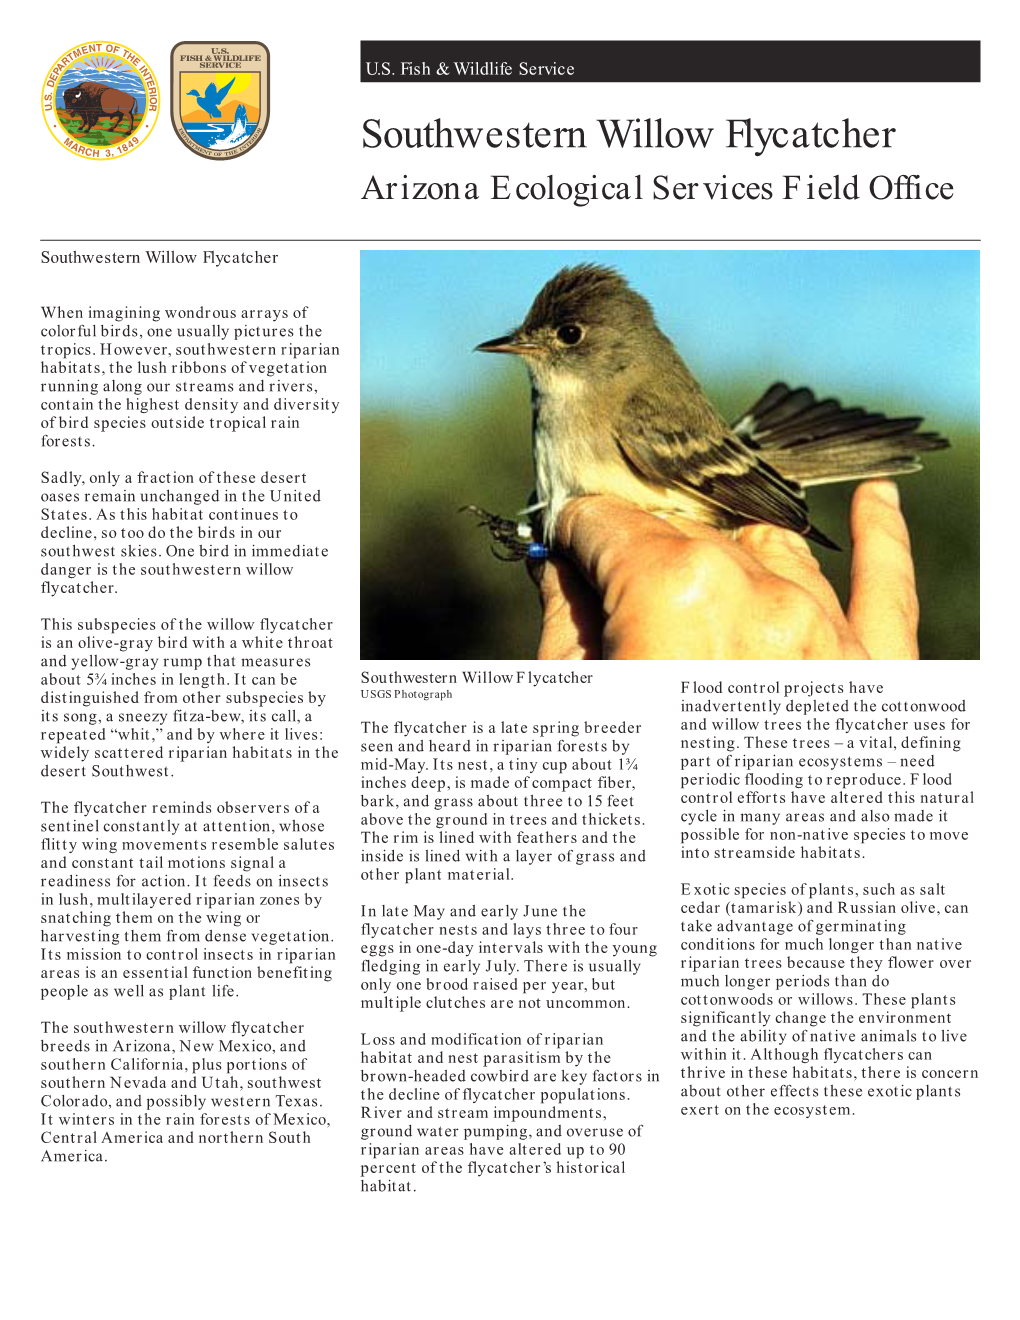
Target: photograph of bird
(615, 411)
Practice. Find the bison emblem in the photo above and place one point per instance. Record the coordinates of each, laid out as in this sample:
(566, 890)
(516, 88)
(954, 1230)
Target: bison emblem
(92, 100)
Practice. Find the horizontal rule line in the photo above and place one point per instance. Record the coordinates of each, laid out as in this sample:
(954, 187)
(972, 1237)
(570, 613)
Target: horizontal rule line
(574, 242)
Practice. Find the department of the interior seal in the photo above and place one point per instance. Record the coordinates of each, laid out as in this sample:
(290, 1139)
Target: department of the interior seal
(100, 100)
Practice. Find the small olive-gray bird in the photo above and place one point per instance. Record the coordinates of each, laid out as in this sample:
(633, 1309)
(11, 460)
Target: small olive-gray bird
(616, 412)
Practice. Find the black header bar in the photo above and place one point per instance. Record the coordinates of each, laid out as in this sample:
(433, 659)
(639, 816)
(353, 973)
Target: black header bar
(672, 61)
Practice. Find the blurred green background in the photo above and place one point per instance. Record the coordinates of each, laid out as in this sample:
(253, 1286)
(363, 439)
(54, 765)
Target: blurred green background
(897, 331)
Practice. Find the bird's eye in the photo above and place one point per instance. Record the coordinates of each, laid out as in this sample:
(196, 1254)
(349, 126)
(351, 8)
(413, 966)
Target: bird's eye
(570, 334)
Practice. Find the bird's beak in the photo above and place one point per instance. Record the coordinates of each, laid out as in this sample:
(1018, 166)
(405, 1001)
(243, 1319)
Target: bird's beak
(506, 344)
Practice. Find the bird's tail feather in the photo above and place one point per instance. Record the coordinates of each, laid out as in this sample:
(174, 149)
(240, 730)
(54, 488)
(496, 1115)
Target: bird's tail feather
(814, 442)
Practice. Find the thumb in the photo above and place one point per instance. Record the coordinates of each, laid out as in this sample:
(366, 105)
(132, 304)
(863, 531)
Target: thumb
(571, 613)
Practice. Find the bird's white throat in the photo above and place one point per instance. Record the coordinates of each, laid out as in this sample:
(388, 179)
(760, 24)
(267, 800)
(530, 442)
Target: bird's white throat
(574, 448)
(562, 440)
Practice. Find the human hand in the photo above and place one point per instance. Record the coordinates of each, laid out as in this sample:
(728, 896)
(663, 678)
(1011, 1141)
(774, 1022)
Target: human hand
(627, 585)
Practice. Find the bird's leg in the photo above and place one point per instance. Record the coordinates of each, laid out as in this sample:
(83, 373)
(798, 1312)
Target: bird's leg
(511, 539)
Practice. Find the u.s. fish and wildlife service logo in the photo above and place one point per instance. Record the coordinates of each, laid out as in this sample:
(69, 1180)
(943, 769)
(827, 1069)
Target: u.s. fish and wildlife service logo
(219, 96)
(100, 100)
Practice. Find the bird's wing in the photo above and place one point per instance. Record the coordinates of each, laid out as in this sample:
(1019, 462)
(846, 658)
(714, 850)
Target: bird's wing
(718, 469)
(816, 441)
(210, 91)
(226, 89)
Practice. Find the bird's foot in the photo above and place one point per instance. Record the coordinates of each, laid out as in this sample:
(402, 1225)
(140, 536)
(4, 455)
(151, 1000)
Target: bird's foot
(510, 540)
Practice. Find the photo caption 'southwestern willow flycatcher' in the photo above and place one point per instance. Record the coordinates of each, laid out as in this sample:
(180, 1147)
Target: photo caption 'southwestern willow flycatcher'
(616, 412)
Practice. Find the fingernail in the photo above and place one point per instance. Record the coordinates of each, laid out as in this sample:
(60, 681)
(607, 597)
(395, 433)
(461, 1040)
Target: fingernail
(888, 492)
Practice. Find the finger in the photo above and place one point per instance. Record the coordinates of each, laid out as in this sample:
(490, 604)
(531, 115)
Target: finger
(571, 614)
(788, 555)
(883, 594)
